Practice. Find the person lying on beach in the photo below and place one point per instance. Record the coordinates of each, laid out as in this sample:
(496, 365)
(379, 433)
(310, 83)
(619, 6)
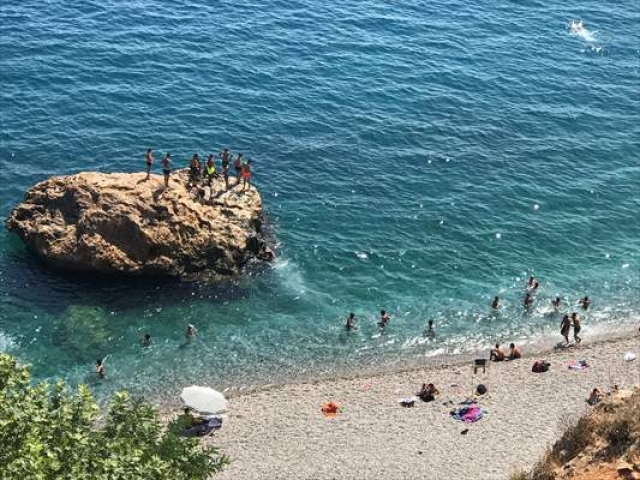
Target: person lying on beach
(565, 326)
(351, 322)
(514, 352)
(384, 318)
(428, 392)
(585, 302)
(496, 354)
(496, 303)
(528, 301)
(595, 397)
(556, 304)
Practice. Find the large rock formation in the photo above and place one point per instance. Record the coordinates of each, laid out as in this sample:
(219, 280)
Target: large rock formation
(122, 223)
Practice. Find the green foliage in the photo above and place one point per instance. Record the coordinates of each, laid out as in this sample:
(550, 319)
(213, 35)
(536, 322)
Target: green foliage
(48, 432)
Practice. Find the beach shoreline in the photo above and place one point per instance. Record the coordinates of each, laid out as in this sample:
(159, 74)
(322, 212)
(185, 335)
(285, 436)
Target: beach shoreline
(280, 432)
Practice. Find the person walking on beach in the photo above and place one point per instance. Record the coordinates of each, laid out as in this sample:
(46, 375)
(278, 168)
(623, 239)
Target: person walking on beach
(166, 169)
(351, 322)
(225, 157)
(565, 326)
(246, 175)
(237, 164)
(585, 302)
(575, 321)
(384, 319)
(149, 161)
(100, 369)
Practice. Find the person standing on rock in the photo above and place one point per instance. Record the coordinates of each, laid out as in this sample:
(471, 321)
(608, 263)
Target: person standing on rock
(237, 164)
(166, 169)
(225, 156)
(194, 168)
(246, 175)
(210, 170)
(149, 160)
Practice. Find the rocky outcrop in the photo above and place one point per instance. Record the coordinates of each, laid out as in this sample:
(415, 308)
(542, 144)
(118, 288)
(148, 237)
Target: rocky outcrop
(122, 223)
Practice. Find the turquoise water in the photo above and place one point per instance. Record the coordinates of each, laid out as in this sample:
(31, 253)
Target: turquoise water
(415, 157)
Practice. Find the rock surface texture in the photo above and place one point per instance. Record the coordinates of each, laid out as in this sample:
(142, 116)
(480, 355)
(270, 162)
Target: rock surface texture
(122, 223)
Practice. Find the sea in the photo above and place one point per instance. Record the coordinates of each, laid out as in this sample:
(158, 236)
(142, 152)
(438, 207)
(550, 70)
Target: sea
(418, 157)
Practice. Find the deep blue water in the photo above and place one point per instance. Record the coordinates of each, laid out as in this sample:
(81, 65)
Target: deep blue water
(414, 156)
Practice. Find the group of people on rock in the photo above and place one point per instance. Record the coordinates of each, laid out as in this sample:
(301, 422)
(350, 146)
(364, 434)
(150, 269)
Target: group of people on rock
(202, 173)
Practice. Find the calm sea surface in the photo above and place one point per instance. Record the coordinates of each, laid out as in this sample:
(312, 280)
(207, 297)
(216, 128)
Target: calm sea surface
(416, 156)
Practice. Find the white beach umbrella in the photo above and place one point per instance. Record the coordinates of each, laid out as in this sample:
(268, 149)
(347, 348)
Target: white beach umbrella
(204, 399)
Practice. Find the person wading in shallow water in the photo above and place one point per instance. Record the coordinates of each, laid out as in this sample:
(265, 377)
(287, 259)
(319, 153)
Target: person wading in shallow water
(149, 161)
(384, 318)
(575, 321)
(100, 369)
(565, 326)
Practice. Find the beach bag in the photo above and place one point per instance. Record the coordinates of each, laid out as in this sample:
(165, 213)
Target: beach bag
(540, 366)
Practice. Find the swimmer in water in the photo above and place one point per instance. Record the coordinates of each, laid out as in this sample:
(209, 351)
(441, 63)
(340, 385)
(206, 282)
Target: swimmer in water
(384, 318)
(528, 301)
(145, 341)
(351, 322)
(585, 302)
(100, 369)
(191, 332)
(431, 329)
(496, 303)
(556, 304)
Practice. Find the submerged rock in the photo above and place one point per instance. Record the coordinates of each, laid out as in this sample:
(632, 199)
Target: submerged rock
(122, 223)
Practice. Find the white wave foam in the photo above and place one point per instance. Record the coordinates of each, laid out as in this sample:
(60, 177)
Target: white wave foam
(290, 276)
(577, 28)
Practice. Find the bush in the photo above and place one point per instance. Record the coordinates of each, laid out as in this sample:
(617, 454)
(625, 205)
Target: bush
(49, 432)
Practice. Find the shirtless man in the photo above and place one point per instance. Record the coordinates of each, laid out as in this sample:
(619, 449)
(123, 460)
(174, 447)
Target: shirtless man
(351, 322)
(496, 303)
(514, 352)
(575, 321)
(496, 354)
(149, 161)
(585, 302)
(565, 326)
(100, 369)
(225, 156)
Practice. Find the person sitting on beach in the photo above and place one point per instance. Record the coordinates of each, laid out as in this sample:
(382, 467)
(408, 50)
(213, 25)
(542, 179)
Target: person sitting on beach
(496, 354)
(149, 161)
(575, 321)
(210, 170)
(351, 322)
(496, 303)
(528, 301)
(565, 326)
(384, 319)
(595, 397)
(514, 352)
(100, 369)
(556, 304)
(237, 164)
(145, 341)
(585, 302)
(194, 168)
(246, 175)
(428, 392)
(166, 168)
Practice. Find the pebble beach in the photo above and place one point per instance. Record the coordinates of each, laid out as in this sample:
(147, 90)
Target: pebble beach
(281, 432)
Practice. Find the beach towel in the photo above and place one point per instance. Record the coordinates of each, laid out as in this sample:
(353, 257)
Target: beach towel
(468, 413)
(577, 365)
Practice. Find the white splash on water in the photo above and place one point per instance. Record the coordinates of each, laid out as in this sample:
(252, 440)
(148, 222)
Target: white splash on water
(290, 276)
(362, 255)
(577, 28)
